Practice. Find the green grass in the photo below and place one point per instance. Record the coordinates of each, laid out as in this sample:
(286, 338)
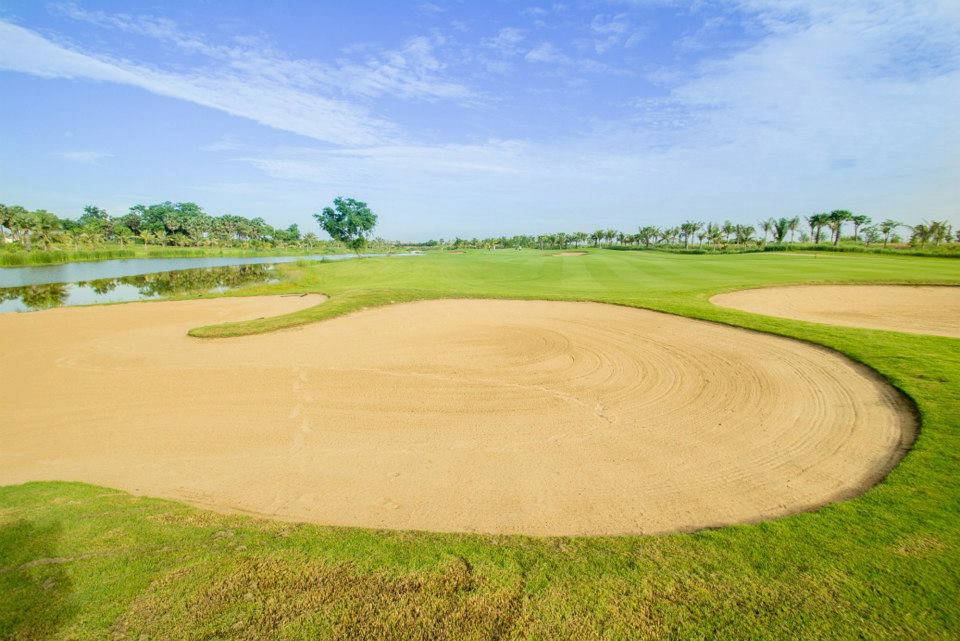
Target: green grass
(949, 250)
(84, 562)
(22, 258)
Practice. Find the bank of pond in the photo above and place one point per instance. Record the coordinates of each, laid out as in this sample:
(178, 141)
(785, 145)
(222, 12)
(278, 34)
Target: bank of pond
(132, 288)
(25, 289)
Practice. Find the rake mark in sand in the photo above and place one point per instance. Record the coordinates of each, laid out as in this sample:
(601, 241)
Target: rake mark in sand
(493, 416)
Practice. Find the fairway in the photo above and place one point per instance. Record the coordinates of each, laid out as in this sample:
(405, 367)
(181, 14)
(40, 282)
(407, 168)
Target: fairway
(491, 416)
(918, 310)
(137, 404)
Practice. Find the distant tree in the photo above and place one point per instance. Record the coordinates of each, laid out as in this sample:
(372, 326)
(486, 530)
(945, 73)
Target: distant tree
(835, 220)
(780, 227)
(92, 213)
(920, 235)
(688, 229)
(887, 227)
(349, 221)
(729, 229)
(743, 233)
(767, 227)
(43, 225)
(794, 226)
(20, 222)
(871, 234)
(702, 235)
(858, 221)
(817, 222)
(6, 216)
(939, 231)
(647, 234)
(715, 233)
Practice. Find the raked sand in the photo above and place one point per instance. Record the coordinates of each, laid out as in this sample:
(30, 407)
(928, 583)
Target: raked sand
(902, 308)
(455, 415)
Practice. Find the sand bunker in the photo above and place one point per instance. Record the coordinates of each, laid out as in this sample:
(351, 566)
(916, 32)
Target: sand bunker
(571, 254)
(456, 415)
(903, 308)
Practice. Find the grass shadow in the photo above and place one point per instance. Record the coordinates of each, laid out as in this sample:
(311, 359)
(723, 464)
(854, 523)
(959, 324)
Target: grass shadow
(35, 587)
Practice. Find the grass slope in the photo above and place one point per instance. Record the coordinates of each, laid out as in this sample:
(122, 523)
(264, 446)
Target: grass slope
(84, 562)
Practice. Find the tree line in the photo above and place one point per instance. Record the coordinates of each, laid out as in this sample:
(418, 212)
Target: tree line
(181, 224)
(816, 228)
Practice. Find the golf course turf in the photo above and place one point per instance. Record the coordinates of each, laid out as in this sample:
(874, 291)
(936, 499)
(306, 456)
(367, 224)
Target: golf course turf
(81, 561)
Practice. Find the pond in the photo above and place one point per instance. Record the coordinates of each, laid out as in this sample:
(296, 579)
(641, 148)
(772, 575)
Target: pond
(131, 288)
(95, 270)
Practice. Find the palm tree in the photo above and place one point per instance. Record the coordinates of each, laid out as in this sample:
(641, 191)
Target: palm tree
(794, 226)
(816, 223)
(647, 234)
(713, 233)
(921, 234)
(766, 226)
(887, 227)
(835, 220)
(939, 231)
(673, 235)
(779, 227)
(701, 234)
(729, 229)
(744, 233)
(43, 225)
(858, 220)
(687, 229)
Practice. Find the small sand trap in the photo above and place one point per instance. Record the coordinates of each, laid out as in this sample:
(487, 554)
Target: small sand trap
(902, 308)
(571, 254)
(456, 415)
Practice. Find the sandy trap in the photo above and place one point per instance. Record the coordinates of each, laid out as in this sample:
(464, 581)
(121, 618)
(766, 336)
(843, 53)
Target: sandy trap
(902, 308)
(457, 415)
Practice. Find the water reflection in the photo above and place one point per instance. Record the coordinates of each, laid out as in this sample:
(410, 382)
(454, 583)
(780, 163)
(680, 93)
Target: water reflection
(129, 288)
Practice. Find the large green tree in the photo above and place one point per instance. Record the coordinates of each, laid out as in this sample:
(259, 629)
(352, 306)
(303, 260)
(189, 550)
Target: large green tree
(349, 221)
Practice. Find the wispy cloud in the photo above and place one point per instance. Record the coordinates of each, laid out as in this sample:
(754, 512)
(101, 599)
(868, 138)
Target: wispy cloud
(412, 71)
(249, 78)
(261, 97)
(616, 30)
(84, 157)
(768, 106)
(548, 53)
(817, 112)
(507, 41)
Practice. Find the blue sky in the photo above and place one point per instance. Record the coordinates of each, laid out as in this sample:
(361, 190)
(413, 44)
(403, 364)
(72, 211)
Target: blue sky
(485, 118)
